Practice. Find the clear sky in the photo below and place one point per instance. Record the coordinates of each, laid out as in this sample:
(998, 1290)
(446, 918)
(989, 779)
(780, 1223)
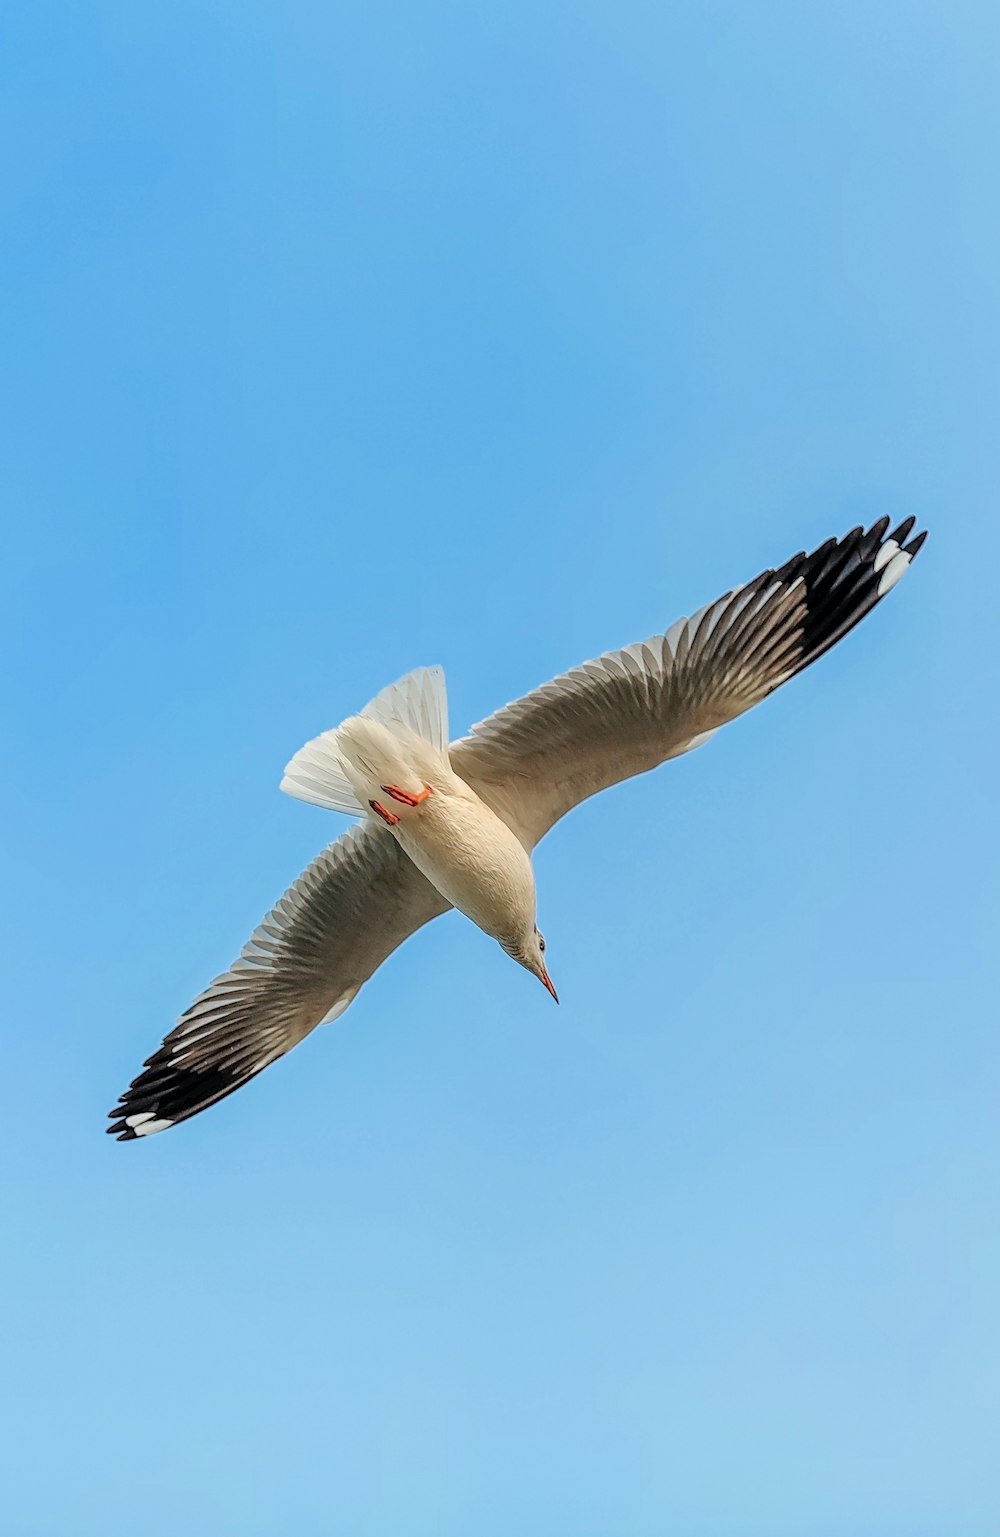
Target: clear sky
(340, 339)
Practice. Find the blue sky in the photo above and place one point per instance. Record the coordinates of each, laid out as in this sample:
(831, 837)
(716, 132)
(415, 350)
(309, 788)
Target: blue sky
(344, 339)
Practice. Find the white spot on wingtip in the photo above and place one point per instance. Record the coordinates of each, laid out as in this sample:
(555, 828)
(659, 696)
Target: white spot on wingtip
(885, 554)
(135, 1121)
(148, 1124)
(893, 571)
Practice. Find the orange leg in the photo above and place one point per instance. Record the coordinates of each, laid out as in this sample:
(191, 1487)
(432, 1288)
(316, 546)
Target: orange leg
(405, 796)
(387, 816)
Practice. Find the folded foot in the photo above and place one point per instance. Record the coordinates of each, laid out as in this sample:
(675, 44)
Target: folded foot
(387, 816)
(405, 796)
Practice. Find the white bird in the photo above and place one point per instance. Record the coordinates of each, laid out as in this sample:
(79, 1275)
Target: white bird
(453, 825)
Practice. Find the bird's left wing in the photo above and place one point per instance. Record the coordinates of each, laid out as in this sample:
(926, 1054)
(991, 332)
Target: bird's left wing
(302, 966)
(630, 710)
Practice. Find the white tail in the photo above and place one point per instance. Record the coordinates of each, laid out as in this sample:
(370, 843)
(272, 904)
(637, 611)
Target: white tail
(418, 703)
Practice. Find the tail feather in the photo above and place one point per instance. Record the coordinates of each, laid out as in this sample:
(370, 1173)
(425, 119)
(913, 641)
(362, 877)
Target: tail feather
(316, 774)
(418, 702)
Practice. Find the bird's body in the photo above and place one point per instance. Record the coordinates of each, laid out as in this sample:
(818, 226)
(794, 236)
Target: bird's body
(452, 824)
(462, 847)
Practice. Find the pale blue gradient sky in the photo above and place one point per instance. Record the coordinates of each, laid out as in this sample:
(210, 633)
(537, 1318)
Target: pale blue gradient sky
(341, 339)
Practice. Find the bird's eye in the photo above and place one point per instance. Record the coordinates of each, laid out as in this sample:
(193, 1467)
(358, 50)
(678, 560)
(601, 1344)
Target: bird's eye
(541, 943)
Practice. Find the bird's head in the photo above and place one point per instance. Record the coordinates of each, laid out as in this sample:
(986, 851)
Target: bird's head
(530, 954)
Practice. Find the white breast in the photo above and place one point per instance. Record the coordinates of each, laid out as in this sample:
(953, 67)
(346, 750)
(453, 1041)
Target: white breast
(473, 859)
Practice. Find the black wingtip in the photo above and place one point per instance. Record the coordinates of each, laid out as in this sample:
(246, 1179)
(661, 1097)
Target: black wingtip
(845, 579)
(167, 1093)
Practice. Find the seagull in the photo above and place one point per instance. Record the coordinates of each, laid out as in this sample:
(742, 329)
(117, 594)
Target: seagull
(453, 824)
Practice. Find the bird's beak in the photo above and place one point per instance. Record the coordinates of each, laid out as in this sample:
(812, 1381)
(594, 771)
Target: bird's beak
(547, 981)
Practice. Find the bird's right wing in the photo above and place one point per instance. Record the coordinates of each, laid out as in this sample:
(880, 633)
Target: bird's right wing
(302, 966)
(630, 710)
